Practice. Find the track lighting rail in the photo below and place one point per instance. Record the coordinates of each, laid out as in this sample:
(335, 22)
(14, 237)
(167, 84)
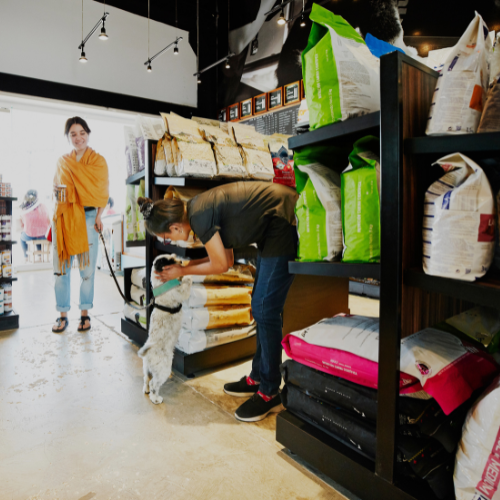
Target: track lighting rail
(175, 42)
(225, 58)
(93, 30)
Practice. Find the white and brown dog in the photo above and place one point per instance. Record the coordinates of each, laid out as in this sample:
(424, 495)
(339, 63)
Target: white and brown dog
(164, 329)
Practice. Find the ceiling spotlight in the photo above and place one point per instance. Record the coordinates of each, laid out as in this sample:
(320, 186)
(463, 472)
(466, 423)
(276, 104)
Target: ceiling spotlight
(227, 64)
(83, 59)
(176, 49)
(199, 79)
(103, 35)
(302, 21)
(149, 68)
(282, 20)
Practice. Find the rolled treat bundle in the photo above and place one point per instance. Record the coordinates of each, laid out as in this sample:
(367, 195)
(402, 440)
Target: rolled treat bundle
(199, 340)
(213, 295)
(208, 318)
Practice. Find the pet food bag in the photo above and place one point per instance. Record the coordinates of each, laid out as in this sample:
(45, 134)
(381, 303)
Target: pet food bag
(135, 315)
(170, 167)
(481, 324)
(282, 160)
(219, 295)
(140, 191)
(239, 273)
(459, 221)
(360, 191)
(478, 458)
(161, 160)
(131, 213)
(318, 209)
(138, 295)
(490, 120)
(131, 151)
(461, 87)
(199, 340)
(341, 76)
(138, 277)
(208, 318)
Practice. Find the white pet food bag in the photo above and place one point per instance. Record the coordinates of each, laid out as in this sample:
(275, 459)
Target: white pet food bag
(161, 160)
(461, 87)
(459, 221)
(477, 463)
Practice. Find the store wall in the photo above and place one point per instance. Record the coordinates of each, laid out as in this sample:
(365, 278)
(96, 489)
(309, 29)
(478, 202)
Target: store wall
(39, 39)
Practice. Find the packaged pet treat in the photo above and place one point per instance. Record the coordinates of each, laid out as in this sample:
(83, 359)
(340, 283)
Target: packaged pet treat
(341, 76)
(459, 221)
(282, 160)
(6, 257)
(360, 184)
(7, 271)
(7, 306)
(461, 88)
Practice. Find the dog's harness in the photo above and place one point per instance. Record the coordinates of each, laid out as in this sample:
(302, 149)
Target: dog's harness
(171, 310)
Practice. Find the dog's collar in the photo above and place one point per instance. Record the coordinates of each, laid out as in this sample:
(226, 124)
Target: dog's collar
(171, 310)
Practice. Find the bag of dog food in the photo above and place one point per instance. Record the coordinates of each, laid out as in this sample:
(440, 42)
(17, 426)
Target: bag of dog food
(360, 185)
(461, 88)
(341, 76)
(131, 213)
(219, 295)
(170, 168)
(199, 340)
(140, 191)
(161, 161)
(208, 318)
(137, 316)
(318, 209)
(490, 120)
(459, 221)
(138, 277)
(239, 273)
(478, 458)
(480, 323)
(282, 160)
(138, 295)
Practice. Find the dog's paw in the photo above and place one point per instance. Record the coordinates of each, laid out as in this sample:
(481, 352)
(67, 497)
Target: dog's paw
(145, 388)
(155, 399)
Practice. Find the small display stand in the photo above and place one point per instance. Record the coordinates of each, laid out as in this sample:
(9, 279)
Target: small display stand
(10, 320)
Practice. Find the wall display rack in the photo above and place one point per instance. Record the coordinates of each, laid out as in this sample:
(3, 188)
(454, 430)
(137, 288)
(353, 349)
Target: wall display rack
(9, 320)
(409, 299)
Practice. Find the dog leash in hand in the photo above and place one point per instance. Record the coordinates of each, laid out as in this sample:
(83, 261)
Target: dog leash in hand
(133, 305)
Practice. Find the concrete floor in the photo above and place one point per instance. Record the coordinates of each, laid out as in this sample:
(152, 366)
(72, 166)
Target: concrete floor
(74, 424)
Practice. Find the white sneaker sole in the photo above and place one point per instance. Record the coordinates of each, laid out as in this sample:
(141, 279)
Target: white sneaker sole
(239, 394)
(258, 418)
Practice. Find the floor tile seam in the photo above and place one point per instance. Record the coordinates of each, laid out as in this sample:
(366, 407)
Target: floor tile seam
(249, 427)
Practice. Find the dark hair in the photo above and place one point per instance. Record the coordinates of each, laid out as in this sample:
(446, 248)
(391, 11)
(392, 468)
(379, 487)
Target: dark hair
(76, 120)
(111, 202)
(162, 214)
(381, 19)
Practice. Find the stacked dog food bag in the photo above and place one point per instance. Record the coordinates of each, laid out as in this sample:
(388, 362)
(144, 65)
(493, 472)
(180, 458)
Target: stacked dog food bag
(138, 295)
(218, 310)
(331, 382)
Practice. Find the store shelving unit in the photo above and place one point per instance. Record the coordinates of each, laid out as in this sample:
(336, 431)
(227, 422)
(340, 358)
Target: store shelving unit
(335, 269)
(136, 178)
(409, 299)
(10, 320)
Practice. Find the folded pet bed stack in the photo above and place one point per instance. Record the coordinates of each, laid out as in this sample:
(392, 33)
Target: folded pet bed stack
(331, 383)
(218, 310)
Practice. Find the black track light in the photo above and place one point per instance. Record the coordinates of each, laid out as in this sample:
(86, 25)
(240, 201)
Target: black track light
(199, 80)
(103, 35)
(149, 68)
(176, 49)
(83, 59)
(282, 20)
(302, 21)
(228, 66)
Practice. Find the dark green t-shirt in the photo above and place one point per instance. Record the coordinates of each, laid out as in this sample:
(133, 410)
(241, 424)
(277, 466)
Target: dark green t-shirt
(247, 212)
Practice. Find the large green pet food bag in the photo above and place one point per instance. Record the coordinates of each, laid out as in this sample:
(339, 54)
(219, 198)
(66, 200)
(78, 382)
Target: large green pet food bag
(360, 185)
(341, 76)
(319, 222)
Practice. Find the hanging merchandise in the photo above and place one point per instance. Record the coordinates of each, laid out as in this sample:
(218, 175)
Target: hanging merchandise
(131, 213)
(318, 209)
(461, 87)
(478, 458)
(282, 159)
(459, 221)
(360, 185)
(341, 76)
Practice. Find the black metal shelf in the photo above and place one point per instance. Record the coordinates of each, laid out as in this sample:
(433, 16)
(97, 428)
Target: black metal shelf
(189, 364)
(479, 144)
(7, 280)
(9, 321)
(361, 125)
(342, 464)
(136, 178)
(190, 253)
(139, 243)
(7, 242)
(337, 269)
(485, 291)
(7, 198)
(134, 332)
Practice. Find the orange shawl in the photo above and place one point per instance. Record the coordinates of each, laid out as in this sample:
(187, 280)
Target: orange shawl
(87, 185)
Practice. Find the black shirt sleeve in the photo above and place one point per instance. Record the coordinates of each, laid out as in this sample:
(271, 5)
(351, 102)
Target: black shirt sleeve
(202, 220)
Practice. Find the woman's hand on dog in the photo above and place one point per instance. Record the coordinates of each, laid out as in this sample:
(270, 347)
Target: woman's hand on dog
(169, 273)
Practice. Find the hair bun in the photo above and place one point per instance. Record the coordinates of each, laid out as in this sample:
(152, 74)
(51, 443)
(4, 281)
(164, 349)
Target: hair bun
(145, 206)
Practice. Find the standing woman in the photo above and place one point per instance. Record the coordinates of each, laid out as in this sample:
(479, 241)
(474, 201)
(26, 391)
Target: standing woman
(234, 216)
(82, 188)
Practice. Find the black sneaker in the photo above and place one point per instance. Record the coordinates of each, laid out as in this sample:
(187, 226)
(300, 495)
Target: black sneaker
(256, 408)
(241, 389)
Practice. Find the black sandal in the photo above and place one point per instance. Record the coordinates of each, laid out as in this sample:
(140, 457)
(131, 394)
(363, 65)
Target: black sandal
(82, 322)
(59, 322)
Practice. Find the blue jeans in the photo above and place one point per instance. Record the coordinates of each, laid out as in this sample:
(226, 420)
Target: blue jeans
(272, 283)
(87, 274)
(24, 242)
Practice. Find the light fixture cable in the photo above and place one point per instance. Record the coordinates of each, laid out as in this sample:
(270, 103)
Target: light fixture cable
(228, 66)
(198, 41)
